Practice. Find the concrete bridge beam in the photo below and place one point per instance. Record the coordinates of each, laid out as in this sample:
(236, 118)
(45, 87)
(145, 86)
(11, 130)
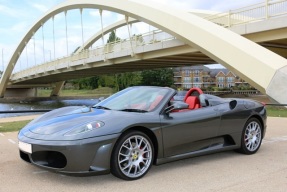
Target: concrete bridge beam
(21, 92)
(58, 87)
(260, 67)
(277, 89)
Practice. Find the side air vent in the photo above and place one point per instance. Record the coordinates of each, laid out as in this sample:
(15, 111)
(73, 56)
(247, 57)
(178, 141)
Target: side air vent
(232, 104)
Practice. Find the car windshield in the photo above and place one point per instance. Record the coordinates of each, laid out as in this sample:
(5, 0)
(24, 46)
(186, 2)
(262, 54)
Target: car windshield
(134, 99)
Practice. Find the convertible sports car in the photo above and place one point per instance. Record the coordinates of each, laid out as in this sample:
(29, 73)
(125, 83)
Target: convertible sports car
(137, 127)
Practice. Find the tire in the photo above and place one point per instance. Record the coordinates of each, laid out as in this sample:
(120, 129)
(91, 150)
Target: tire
(251, 137)
(132, 156)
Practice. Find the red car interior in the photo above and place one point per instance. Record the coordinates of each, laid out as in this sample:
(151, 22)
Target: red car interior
(193, 102)
(191, 98)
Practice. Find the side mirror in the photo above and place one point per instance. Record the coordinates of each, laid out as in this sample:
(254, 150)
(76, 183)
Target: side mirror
(176, 106)
(101, 98)
(203, 100)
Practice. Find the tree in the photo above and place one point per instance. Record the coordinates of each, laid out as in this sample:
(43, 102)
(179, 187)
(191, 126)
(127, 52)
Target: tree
(158, 77)
(87, 83)
(113, 37)
(139, 39)
(124, 80)
(106, 81)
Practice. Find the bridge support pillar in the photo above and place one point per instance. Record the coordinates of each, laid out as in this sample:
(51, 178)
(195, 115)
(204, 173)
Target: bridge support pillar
(277, 88)
(56, 91)
(21, 92)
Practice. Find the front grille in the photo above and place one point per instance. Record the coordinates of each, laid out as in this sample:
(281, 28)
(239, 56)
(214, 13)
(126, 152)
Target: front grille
(50, 159)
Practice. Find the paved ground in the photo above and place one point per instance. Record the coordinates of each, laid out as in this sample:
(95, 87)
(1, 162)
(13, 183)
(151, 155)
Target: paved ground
(228, 171)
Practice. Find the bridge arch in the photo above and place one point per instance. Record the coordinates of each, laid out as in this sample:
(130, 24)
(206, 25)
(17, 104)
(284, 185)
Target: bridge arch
(122, 23)
(262, 68)
(106, 30)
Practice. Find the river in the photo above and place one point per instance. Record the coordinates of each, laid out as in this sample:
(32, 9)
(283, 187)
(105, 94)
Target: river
(52, 104)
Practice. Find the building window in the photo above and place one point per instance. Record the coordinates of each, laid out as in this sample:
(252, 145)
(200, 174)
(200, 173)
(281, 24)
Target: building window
(187, 80)
(220, 79)
(196, 79)
(230, 85)
(187, 86)
(196, 72)
(187, 73)
(220, 85)
(197, 85)
(230, 79)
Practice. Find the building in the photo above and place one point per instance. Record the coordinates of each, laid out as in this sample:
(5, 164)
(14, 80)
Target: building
(204, 77)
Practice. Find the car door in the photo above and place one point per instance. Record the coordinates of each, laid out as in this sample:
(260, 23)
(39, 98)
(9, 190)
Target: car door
(189, 131)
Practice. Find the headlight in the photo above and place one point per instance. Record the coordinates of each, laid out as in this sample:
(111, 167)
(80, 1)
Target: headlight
(85, 128)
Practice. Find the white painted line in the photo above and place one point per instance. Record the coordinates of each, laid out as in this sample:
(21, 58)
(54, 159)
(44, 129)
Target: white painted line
(2, 135)
(11, 141)
(39, 172)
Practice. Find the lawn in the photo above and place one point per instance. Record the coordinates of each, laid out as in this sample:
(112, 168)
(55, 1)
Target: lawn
(273, 111)
(13, 126)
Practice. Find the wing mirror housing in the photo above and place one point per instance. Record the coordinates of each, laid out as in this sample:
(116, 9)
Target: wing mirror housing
(177, 105)
(203, 100)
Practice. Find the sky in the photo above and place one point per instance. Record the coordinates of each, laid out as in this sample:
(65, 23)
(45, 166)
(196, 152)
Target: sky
(18, 16)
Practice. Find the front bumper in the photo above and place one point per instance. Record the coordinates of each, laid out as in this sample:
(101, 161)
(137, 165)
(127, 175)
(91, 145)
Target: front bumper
(80, 157)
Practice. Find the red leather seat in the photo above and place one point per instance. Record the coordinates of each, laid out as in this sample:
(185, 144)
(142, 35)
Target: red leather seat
(190, 92)
(193, 102)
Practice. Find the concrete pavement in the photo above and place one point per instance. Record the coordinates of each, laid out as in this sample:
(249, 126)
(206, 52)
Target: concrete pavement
(228, 171)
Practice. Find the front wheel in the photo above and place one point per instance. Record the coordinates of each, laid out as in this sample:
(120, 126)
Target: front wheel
(251, 137)
(132, 156)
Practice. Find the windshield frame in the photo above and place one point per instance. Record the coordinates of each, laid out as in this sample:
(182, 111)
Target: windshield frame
(136, 99)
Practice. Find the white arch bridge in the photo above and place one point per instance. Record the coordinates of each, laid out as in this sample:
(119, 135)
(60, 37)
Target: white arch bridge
(252, 42)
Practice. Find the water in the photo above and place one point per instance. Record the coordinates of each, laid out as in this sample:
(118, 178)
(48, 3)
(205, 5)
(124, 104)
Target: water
(53, 104)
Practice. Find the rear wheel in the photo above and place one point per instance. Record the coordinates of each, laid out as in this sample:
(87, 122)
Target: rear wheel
(251, 137)
(132, 156)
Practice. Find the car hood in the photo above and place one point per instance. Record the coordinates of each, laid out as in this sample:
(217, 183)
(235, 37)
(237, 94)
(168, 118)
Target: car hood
(62, 119)
(55, 124)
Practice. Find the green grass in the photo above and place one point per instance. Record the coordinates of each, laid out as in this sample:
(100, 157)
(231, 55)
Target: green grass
(103, 91)
(273, 111)
(13, 126)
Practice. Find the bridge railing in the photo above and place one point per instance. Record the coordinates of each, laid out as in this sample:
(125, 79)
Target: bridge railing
(128, 44)
(260, 11)
(125, 45)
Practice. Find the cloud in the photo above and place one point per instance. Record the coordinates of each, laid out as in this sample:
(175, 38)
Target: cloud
(94, 13)
(40, 7)
(20, 27)
(10, 12)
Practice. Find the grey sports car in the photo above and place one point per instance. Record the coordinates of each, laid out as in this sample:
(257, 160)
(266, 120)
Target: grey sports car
(137, 127)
